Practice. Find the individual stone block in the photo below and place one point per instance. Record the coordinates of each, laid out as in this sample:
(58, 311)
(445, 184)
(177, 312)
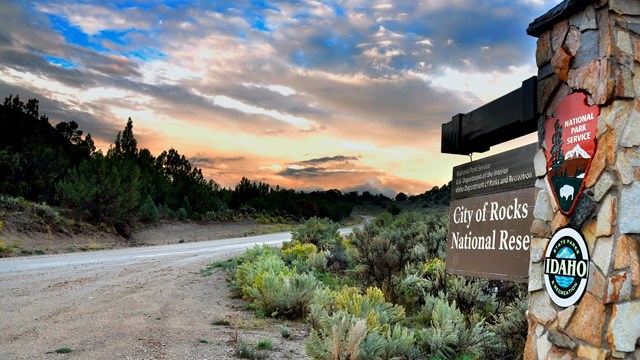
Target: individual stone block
(628, 219)
(617, 116)
(589, 232)
(543, 346)
(588, 320)
(588, 49)
(624, 83)
(543, 50)
(630, 136)
(602, 254)
(598, 163)
(560, 354)
(535, 277)
(606, 217)
(625, 7)
(591, 353)
(542, 209)
(560, 62)
(559, 221)
(606, 43)
(558, 34)
(596, 77)
(540, 307)
(597, 283)
(603, 185)
(583, 211)
(584, 20)
(540, 228)
(623, 42)
(561, 340)
(624, 169)
(624, 327)
(572, 41)
(565, 315)
(540, 163)
(538, 247)
(626, 256)
(529, 348)
(619, 288)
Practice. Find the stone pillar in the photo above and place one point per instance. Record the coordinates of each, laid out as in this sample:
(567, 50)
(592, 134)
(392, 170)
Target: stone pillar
(592, 47)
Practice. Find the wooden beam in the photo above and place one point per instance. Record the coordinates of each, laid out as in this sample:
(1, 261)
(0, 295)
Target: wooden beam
(506, 118)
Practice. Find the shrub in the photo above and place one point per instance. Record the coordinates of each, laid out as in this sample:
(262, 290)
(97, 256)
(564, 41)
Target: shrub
(387, 245)
(323, 233)
(345, 336)
(283, 294)
(447, 335)
(45, 211)
(246, 351)
(285, 331)
(369, 306)
(340, 338)
(11, 203)
(181, 214)
(511, 328)
(148, 211)
(278, 291)
(264, 344)
(294, 252)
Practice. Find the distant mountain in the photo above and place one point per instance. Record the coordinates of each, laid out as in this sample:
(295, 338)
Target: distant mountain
(576, 153)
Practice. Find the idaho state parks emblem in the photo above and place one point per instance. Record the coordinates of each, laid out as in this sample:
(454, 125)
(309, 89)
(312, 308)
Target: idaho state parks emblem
(570, 139)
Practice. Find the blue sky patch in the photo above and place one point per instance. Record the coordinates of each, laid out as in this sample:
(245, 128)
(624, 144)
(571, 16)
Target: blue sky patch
(63, 63)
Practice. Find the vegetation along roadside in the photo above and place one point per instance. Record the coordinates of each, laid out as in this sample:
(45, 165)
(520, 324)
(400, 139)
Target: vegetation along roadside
(382, 293)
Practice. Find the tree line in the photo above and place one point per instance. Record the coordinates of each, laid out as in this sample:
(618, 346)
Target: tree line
(59, 165)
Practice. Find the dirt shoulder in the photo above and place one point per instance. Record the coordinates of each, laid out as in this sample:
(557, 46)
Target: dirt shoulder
(155, 309)
(33, 239)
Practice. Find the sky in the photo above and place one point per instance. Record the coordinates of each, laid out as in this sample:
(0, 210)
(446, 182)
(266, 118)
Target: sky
(340, 94)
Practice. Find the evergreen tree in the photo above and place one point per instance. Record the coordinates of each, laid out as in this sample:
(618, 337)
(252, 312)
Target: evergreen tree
(104, 189)
(126, 145)
(557, 156)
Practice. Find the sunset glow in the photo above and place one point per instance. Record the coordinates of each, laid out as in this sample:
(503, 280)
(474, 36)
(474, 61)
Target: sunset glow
(310, 95)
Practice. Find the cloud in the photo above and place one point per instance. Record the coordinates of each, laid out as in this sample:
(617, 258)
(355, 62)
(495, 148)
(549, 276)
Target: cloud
(269, 83)
(330, 159)
(213, 162)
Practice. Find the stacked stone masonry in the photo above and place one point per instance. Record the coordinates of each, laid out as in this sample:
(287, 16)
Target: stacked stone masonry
(592, 47)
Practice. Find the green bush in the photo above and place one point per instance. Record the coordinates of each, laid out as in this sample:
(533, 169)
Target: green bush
(148, 211)
(323, 233)
(369, 306)
(181, 214)
(275, 289)
(387, 245)
(448, 335)
(346, 336)
(8, 202)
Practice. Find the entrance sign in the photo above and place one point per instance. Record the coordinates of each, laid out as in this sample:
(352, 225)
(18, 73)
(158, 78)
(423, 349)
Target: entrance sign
(490, 216)
(570, 138)
(566, 267)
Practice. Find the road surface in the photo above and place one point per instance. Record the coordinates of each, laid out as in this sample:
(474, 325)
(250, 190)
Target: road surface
(133, 303)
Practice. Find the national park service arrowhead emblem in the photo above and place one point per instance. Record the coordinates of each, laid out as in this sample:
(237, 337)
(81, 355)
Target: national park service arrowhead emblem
(570, 139)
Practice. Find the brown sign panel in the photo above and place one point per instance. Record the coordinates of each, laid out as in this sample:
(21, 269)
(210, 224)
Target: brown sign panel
(491, 214)
(489, 236)
(570, 137)
(506, 171)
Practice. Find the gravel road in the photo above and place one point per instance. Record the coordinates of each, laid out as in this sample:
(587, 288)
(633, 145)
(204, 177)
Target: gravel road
(134, 303)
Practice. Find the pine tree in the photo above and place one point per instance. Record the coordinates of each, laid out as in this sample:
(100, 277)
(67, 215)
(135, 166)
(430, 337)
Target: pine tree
(557, 156)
